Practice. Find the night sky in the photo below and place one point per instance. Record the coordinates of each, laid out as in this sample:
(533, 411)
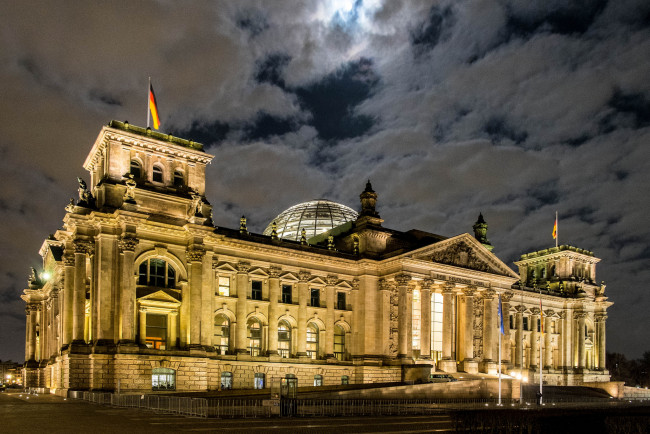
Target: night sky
(515, 109)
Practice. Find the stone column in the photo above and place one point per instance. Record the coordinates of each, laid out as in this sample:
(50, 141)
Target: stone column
(519, 336)
(142, 329)
(468, 332)
(600, 328)
(207, 298)
(447, 321)
(82, 248)
(506, 355)
(172, 330)
(127, 297)
(330, 290)
(548, 350)
(31, 311)
(68, 294)
(303, 288)
(274, 296)
(105, 264)
(535, 357)
(384, 323)
(580, 340)
(425, 315)
(195, 266)
(490, 326)
(565, 361)
(402, 314)
(241, 282)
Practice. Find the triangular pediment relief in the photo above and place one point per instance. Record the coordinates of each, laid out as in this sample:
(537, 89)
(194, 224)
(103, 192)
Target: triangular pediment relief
(317, 281)
(289, 276)
(344, 285)
(260, 272)
(159, 296)
(464, 251)
(225, 266)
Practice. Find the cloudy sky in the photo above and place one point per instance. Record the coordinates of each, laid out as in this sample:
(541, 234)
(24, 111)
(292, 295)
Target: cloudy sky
(511, 108)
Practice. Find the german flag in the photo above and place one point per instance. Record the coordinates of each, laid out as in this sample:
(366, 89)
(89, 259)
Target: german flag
(555, 229)
(153, 108)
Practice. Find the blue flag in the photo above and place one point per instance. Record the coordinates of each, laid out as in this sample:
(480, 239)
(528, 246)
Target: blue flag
(501, 317)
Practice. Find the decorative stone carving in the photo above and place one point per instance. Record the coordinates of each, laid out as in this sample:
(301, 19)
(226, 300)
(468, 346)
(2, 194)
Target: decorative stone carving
(549, 313)
(332, 279)
(402, 279)
(86, 199)
(426, 283)
(507, 296)
(469, 291)
(461, 255)
(488, 294)
(195, 255)
(304, 276)
(243, 267)
(274, 271)
(355, 284)
(129, 194)
(83, 246)
(535, 311)
(68, 260)
(195, 205)
(478, 330)
(127, 244)
(600, 317)
(448, 287)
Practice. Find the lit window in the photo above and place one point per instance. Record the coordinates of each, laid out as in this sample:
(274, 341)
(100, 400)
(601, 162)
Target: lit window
(345, 379)
(157, 174)
(256, 290)
(136, 169)
(340, 301)
(258, 381)
(315, 297)
(254, 337)
(163, 379)
(339, 343)
(221, 334)
(286, 294)
(312, 341)
(436, 326)
(224, 286)
(284, 339)
(178, 178)
(156, 272)
(226, 380)
(156, 333)
(318, 380)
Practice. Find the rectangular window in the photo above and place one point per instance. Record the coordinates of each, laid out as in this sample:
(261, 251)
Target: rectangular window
(345, 380)
(525, 323)
(340, 301)
(315, 297)
(259, 381)
(156, 337)
(224, 286)
(286, 294)
(318, 380)
(512, 322)
(539, 325)
(256, 290)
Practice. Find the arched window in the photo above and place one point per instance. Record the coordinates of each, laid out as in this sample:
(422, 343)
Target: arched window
(156, 272)
(284, 339)
(136, 169)
(254, 337)
(178, 178)
(163, 379)
(339, 343)
(312, 341)
(157, 174)
(221, 334)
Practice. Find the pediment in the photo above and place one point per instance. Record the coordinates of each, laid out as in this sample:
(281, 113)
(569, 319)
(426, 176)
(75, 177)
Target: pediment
(466, 252)
(225, 266)
(159, 296)
(289, 276)
(317, 281)
(344, 285)
(257, 271)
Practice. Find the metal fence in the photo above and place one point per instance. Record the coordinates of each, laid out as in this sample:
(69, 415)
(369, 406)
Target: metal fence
(260, 408)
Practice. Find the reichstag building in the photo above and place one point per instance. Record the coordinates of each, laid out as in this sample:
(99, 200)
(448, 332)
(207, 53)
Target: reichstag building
(140, 290)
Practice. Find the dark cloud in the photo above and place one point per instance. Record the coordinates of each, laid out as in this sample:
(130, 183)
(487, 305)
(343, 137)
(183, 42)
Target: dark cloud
(512, 108)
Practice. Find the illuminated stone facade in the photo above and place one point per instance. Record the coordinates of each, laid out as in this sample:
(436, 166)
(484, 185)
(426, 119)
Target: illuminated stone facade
(139, 290)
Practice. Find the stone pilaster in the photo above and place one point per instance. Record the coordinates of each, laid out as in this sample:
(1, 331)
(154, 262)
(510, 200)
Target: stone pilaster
(535, 356)
(519, 336)
(274, 297)
(506, 355)
(303, 295)
(207, 298)
(195, 266)
(548, 349)
(82, 250)
(402, 281)
(330, 292)
(580, 339)
(241, 282)
(600, 319)
(447, 315)
(126, 247)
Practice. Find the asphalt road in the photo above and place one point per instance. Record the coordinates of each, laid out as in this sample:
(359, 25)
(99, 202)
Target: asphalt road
(21, 413)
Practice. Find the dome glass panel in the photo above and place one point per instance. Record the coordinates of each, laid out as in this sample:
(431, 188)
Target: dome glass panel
(316, 217)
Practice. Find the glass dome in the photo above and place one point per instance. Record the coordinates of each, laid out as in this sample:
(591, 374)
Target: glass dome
(316, 217)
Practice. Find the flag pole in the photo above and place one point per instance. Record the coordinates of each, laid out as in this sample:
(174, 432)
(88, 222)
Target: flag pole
(500, 331)
(541, 338)
(556, 230)
(148, 107)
